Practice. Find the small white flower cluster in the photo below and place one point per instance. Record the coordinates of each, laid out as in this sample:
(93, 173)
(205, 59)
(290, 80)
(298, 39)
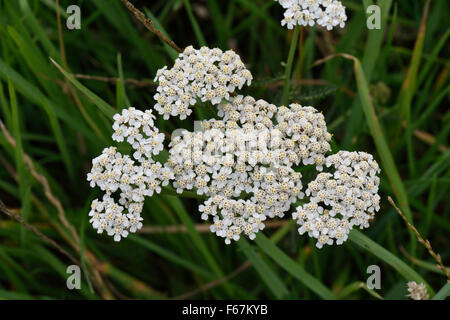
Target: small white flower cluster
(131, 180)
(325, 13)
(248, 154)
(207, 74)
(238, 216)
(351, 192)
(300, 133)
(417, 291)
(138, 128)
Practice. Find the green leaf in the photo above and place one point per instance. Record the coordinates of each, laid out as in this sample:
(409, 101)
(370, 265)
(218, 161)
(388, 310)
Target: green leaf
(292, 267)
(99, 102)
(197, 30)
(22, 171)
(371, 246)
(170, 51)
(186, 220)
(443, 293)
(121, 94)
(288, 72)
(387, 160)
(371, 54)
(173, 257)
(32, 93)
(269, 277)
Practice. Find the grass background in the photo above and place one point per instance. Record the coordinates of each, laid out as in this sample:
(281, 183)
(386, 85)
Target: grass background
(390, 97)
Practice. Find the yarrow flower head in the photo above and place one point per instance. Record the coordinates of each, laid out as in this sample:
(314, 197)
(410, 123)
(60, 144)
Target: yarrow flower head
(248, 154)
(351, 193)
(325, 13)
(243, 164)
(210, 75)
(299, 136)
(417, 291)
(127, 179)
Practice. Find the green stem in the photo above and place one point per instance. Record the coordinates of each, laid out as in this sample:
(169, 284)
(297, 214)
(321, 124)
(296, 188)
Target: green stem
(287, 76)
(374, 248)
(443, 293)
(197, 30)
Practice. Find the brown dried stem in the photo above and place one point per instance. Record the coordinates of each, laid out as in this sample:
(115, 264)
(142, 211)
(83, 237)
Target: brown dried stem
(61, 213)
(425, 243)
(214, 283)
(148, 23)
(70, 90)
(43, 181)
(133, 82)
(4, 209)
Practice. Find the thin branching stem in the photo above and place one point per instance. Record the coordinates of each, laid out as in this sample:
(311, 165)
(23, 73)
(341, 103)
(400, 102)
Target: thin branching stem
(214, 283)
(76, 244)
(133, 82)
(18, 218)
(148, 23)
(425, 243)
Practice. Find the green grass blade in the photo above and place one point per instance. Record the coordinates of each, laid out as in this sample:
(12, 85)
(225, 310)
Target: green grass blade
(122, 98)
(35, 62)
(401, 267)
(117, 15)
(99, 102)
(219, 23)
(197, 30)
(12, 295)
(370, 57)
(426, 68)
(5, 107)
(37, 28)
(380, 141)
(409, 84)
(133, 285)
(296, 270)
(179, 209)
(173, 257)
(268, 276)
(288, 72)
(22, 172)
(170, 51)
(409, 87)
(443, 293)
(31, 92)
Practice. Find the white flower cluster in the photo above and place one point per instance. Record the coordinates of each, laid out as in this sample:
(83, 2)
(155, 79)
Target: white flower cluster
(243, 164)
(325, 13)
(238, 216)
(351, 193)
(299, 135)
(207, 74)
(417, 291)
(130, 180)
(247, 154)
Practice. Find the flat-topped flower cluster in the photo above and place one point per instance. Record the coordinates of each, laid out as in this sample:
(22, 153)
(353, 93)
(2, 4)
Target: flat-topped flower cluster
(245, 165)
(351, 193)
(206, 74)
(325, 13)
(130, 180)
